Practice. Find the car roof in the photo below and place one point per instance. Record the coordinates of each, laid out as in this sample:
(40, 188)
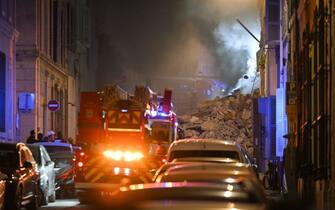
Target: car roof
(8, 145)
(13, 146)
(196, 176)
(35, 146)
(187, 191)
(205, 159)
(58, 144)
(203, 144)
(229, 168)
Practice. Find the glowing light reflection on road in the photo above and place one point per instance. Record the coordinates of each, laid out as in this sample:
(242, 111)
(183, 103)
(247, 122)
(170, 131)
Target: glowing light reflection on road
(63, 203)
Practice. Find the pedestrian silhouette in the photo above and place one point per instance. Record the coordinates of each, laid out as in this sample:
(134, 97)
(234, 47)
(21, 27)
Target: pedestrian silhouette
(31, 139)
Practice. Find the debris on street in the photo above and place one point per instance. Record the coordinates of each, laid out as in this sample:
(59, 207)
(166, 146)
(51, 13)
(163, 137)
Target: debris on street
(228, 118)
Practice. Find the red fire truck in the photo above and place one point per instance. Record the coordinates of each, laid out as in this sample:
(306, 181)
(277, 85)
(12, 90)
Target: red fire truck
(117, 132)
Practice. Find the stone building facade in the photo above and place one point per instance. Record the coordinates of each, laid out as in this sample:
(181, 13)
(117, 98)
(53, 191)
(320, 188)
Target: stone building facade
(8, 37)
(311, 69)
(51, 50)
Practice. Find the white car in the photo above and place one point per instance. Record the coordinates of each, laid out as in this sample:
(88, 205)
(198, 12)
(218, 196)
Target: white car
(47, 173)
(63, 155)
(182, 161)
(188, 195)
(206, 148)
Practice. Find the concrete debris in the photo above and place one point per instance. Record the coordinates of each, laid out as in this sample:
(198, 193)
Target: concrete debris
(228, 118)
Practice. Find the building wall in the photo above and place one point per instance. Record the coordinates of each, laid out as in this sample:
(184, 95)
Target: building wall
(310, 66)
(8, 37)
(332, 198)
(269, 65)
(281, 117)
(52, 62)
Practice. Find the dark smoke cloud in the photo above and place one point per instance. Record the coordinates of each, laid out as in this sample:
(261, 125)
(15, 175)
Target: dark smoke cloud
(139, 40)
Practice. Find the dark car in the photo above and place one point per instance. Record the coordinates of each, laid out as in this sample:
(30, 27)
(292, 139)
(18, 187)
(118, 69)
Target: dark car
(22, 186)
(3, 179)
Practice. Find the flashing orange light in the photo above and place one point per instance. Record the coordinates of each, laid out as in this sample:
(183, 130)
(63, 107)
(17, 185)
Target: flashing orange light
(82, 154)
(117, 171)
(123, 155)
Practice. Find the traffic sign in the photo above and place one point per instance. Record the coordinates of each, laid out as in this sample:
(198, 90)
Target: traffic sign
(53, 105)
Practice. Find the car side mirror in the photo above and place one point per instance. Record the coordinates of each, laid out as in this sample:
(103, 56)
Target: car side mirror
(27, 164)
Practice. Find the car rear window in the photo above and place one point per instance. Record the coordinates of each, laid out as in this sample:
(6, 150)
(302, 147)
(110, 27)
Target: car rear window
(57, 149)
(9, 158)
(204, 153)
(36, 153)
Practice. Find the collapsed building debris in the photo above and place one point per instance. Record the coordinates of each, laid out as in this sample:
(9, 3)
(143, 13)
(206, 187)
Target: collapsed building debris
(227, 118)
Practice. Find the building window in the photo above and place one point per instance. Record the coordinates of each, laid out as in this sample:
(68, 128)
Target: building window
(55, 31)
(0, 8)
(2, 92)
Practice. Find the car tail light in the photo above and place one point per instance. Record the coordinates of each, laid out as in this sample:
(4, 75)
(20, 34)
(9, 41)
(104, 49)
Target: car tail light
(80, 164)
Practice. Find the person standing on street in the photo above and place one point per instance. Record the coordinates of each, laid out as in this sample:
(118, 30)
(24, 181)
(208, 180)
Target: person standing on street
(40, 137)
(31, 139)
(51, 136)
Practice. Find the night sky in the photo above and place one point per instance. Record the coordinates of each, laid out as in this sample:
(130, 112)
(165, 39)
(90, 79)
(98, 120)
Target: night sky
(139, 40)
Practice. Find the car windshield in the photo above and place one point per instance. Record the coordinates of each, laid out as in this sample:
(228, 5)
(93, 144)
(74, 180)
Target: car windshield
(9, 158)
(204, 153)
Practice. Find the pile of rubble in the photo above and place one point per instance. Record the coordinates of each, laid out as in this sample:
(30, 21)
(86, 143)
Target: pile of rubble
(227, 118)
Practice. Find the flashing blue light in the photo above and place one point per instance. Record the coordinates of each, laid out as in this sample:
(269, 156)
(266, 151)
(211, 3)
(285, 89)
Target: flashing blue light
(124, 110)
(163, 114)
(154, 113)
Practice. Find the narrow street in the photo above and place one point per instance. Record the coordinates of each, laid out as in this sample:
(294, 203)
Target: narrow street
(167, 104)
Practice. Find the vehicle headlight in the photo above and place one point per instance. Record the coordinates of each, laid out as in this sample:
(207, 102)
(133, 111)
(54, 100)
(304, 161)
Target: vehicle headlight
(123, 155)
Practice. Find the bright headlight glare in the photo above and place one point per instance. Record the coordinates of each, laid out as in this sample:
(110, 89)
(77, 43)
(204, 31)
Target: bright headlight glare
(120, 155)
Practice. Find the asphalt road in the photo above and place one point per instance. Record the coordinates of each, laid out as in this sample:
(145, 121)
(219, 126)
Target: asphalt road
(66, 204)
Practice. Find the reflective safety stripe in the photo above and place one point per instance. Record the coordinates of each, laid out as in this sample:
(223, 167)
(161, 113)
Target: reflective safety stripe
(93, 161)
(98, 169)
(97, 177)
(90, 173)
(125, 129)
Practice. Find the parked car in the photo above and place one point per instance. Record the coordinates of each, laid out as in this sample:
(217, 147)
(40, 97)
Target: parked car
(62, 155)
(3, 179)
(23, 176)
(182, 161)
(206, 148)
(47, 173)
(207, 172)
(185, 195)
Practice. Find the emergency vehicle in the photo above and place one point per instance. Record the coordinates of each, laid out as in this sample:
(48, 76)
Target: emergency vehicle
(117, 132)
